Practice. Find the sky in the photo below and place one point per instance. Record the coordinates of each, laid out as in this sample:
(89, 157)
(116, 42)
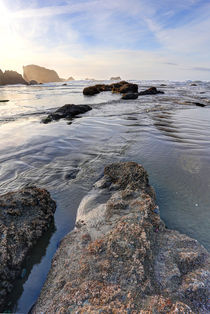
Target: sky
(133, 39)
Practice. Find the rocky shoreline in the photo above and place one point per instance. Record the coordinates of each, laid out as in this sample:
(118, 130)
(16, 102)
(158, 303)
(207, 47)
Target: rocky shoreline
(24, 216)
(120, 258)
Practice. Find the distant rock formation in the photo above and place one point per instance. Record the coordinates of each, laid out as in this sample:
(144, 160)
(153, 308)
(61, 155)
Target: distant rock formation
(70, 79)
(40, 74)
(11, 78)
(115, 78)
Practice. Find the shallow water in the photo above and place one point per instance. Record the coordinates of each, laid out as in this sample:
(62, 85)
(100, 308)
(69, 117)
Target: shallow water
(165, 133)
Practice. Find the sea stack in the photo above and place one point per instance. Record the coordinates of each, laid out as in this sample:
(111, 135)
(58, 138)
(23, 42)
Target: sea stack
(40, 74)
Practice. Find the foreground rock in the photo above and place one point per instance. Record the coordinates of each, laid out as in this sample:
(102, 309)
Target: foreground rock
(39, 74)
(119, 87)
(11, 78)
(151, 91)
(67, 112)
(24, 216)
(120, 258)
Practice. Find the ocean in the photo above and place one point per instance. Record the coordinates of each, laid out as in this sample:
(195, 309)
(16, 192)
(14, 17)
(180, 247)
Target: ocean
(166, 133)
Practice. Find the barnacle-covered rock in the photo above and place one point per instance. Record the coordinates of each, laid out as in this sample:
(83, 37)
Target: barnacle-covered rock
(120, 258)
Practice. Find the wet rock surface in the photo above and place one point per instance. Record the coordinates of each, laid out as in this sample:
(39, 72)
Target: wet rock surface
(130, 96)
(67, 112)
(119, 87)
(120, 258)
(24, 216)
(151, 91)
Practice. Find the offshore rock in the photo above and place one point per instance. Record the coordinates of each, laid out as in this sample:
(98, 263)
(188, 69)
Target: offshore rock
(11, 78)
(130, 96)
(39, 74)
(119, 87)
(24, 216)
(67, 112)
(151, 91)
(120, 258)
(115, 78)
(33, 82)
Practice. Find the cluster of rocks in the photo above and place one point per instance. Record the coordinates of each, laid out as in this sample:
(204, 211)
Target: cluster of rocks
(24, 216)
(129, 90)
(11, 78)
(66, 112)
(120, 258)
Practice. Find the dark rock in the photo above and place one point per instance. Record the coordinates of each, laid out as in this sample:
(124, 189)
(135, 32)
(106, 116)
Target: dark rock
(120, 258)
(64, 84)
(151, 91)
(24, 216)
(4, 100)
(119, 87)
(128, 88)
(163, 85)
(193, 84)
(90, 91)
(11, 78)
(33, 82)
(199, 104)
(130, 96)
(67, 112)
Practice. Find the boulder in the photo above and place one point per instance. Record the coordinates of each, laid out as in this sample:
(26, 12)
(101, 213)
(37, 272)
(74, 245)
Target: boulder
(67, 112)
(120, 258)
(90, 91)
(119, 87)
(130, 96)
(39, 74)
(151, 91)
(193, 84)
(24, 216)
(33, 82)
(11, 78)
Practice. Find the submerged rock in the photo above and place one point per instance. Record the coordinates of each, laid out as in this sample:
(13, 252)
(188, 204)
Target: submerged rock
(24, 216)
(120, 258)
(67, 112)
(151, 91)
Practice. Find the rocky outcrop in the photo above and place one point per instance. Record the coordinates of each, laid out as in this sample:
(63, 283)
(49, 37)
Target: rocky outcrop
(39, 74)
(128, 96)
(70, 79)
(115, 78)
(120, 87)
(33, 82)
(66, 112)
(24, 216)
(151, 91)
(120, 258)
(11, 78)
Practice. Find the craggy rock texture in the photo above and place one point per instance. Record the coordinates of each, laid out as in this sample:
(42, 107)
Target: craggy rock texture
(24, 216)
(11, 78)
(151, 91)
(120, 87)
(39, 74)
(67, 112)
(120, 258)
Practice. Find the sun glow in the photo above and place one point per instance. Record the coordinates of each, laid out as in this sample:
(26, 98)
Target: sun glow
(6, 15)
